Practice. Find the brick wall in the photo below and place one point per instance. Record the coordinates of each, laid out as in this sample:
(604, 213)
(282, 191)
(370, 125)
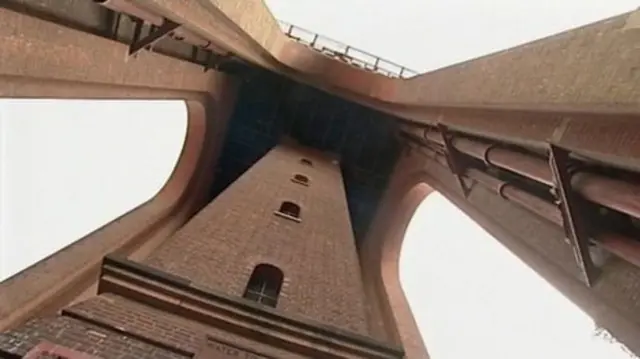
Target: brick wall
(165, 329)
(82, 337)
(221, 245)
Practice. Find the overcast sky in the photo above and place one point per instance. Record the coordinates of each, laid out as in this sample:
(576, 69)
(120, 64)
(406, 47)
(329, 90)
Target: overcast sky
(428, 34)
(68, 167)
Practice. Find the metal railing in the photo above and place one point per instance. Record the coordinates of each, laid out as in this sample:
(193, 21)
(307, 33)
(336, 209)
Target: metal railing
(346, 53)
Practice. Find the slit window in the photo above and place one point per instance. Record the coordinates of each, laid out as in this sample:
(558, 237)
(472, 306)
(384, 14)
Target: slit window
(301, 179)
(264, 285)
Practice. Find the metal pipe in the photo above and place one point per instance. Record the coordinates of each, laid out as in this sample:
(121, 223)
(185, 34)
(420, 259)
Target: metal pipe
(617, 244)
(127, 7)
(522, 164)
(512, 193)
(616, 194)
(622, 246)
(619, 195)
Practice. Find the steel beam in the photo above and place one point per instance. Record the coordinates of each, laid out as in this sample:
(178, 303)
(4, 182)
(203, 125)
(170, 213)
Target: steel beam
(453, 158)
(620, 245)
(154, 36)
(574, 222)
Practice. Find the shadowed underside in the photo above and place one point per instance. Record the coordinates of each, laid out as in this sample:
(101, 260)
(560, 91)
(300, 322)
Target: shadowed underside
(399, 139)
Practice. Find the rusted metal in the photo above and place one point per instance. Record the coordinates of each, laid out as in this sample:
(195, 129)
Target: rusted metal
(510, 192)
(616, 194)
(621, 246)
(574, 222)
(520, 163)
(617, 244)
(620, 195)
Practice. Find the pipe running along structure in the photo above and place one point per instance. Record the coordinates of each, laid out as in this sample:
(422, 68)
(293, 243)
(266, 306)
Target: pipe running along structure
(617, 244)
(616, 194)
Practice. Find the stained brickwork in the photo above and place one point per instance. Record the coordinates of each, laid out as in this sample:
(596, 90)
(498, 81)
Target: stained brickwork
(82, 337)
(165, 329)
(593, 65)
(221, 245)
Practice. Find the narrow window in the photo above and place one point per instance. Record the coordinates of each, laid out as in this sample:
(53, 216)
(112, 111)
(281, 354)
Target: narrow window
(264, 285)
(305, 161)
(301, 179)
(290, 209)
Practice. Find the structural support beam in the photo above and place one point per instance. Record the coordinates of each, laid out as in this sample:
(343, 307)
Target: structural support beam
(453, 158)
(620, 245)
(620, 195)
(214, 61)
(154, 36)
(574, 223)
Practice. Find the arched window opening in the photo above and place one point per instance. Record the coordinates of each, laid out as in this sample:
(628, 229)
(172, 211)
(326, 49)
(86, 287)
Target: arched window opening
(264, 285)
(301, 179)
(486, 283)
(306, 162)
(289, 210)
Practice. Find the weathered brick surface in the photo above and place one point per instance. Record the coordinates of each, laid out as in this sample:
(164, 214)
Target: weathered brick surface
(595, 65)
(43, 59)
(39, 49)
(79, 336)
(222, 244)
(171, 330)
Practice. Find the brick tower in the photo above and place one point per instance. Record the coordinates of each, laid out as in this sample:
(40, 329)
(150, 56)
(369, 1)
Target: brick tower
(267, 270)
(538, 144)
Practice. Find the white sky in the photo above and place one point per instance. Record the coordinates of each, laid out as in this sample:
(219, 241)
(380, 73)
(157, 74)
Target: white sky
(70, 167)
(472, 298)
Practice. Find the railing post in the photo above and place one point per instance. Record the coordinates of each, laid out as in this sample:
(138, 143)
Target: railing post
(343, 54)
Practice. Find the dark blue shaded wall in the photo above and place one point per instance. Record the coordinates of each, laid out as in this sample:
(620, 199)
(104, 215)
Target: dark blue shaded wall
(270, 106)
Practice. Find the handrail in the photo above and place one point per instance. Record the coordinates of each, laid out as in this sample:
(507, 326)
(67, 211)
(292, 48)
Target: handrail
(346, 53)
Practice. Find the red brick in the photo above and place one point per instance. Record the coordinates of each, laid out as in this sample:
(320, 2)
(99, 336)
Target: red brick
(221, 245)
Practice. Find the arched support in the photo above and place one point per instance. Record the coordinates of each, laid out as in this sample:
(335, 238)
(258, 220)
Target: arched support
(528, 238)
(390, 316)
(79, 65)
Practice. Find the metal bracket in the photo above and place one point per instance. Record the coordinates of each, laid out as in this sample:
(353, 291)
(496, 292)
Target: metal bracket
(115, 25)
(574, 225)
(195, 50)
(214, 60)
(154, 36)
(453, 158)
